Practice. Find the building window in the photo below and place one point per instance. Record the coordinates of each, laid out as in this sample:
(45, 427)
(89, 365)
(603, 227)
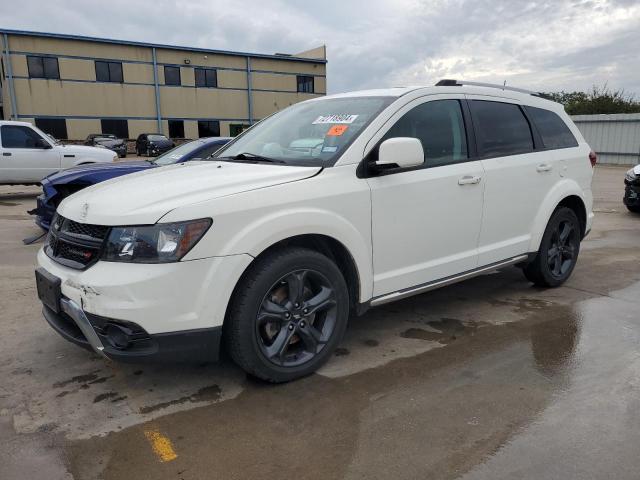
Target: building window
(119, 128)
(56, 127)
(208, 128)
(236, 129)
(305, 83)
(109, 72)
(206, 77)
(176, 129)
(171, 75)
(43, 67)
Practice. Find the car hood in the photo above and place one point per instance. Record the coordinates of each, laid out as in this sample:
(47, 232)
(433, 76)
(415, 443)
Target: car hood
(92, 172)
(84, 149)
(145, 197)
(110, 143)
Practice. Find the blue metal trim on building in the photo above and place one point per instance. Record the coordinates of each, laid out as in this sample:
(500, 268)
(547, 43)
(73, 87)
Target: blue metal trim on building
(124, 117)
(156, 89)
(142, 62)
(160, 85)
(9, 73)
(158, 45)
(249, 91)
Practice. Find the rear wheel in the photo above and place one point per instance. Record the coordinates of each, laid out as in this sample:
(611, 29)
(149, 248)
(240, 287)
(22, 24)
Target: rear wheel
(287, 315)
(558, 251)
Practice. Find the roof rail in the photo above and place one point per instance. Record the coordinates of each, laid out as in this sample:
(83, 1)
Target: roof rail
(459, 83)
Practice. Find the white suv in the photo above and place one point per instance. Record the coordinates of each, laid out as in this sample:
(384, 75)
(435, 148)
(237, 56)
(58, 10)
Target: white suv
(319, 211)
(27, 154)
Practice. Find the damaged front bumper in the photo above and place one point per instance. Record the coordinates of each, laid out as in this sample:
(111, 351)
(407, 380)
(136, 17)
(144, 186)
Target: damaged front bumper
(136, 312)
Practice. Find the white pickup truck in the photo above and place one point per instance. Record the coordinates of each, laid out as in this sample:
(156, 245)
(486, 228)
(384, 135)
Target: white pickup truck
(27, 154)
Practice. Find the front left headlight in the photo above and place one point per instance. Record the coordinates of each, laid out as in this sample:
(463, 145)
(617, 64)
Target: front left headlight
(160, 243)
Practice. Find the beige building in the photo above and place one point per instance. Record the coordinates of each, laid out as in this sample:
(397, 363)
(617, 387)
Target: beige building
(72, 86)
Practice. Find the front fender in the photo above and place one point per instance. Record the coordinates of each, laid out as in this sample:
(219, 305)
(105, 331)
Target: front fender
(561, 190)
(265, 231)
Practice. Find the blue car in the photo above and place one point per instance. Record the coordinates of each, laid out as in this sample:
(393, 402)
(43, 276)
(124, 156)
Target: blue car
(61, 184)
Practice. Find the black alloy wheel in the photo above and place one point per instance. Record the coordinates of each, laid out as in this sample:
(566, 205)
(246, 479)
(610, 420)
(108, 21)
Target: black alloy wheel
(558, 252)
(296, 318)
(287, 314)
(562, 249)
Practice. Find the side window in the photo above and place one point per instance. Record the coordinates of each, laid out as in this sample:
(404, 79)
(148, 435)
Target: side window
(176, 128)
(501, 128)
(16, 136)
(171, 75)
(56, 127)
(206, 77)
(304, 83)
(119, 128)
(208, 128)
(43, 67)
(109, 72)
(439, 126)
(552, 129)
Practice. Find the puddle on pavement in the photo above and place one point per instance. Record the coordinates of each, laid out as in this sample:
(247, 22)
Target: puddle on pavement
(444, 331)
(443, 411)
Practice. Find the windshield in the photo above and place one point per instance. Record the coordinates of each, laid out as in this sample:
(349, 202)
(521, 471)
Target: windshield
(311, 133)
(175, 154)
(155, 138)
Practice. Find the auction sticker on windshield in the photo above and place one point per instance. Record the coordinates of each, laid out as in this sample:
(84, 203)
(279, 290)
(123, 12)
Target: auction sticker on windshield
(334, 119)
(337, 130)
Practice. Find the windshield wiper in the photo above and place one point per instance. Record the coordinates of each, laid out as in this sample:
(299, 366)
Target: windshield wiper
(251, 156)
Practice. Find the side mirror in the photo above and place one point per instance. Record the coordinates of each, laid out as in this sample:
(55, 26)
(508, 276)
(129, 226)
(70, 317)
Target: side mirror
(401, 151)
(42, 143)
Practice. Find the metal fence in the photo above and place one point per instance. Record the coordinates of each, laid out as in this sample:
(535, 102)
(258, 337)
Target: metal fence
(615, 138)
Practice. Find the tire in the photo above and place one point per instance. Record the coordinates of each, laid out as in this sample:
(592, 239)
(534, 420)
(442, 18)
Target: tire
(634, 209)
(556, 258)
(272, 337)
(148, 152)
(137, 152)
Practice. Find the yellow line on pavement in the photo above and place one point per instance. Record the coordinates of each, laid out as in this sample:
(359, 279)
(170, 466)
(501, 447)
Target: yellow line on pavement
(161, 445)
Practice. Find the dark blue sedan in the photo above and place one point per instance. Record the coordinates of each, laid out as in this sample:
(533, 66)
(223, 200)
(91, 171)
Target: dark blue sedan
(61, 184)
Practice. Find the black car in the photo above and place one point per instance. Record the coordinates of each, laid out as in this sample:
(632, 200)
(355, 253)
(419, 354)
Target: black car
(153, 144)
(632, 189)
(107, 140)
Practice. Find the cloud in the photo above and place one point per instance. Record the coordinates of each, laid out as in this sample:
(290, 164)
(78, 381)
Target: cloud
(542, 45)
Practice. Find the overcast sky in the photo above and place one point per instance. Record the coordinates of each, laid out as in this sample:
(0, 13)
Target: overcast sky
(548, 46)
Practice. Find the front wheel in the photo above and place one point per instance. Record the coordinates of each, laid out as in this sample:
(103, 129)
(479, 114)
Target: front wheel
(287, 315)
(634, 209)
(558, 253)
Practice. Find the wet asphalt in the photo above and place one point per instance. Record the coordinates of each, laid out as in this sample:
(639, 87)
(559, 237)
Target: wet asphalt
(487, 379)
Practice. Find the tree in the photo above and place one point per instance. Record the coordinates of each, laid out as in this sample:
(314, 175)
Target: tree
(598, 100)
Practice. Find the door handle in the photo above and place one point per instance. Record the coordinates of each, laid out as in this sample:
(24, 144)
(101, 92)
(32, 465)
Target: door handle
(544, 167)
(469, 180)
(6, 154)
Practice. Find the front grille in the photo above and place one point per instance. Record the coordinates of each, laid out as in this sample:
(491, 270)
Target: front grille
(85, 230)
(73, 244)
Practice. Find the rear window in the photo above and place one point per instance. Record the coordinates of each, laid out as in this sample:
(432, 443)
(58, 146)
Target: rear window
(502, 129)
(552, 129)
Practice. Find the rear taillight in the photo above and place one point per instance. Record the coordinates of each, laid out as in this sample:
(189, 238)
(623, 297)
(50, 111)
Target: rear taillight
(593, 158)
